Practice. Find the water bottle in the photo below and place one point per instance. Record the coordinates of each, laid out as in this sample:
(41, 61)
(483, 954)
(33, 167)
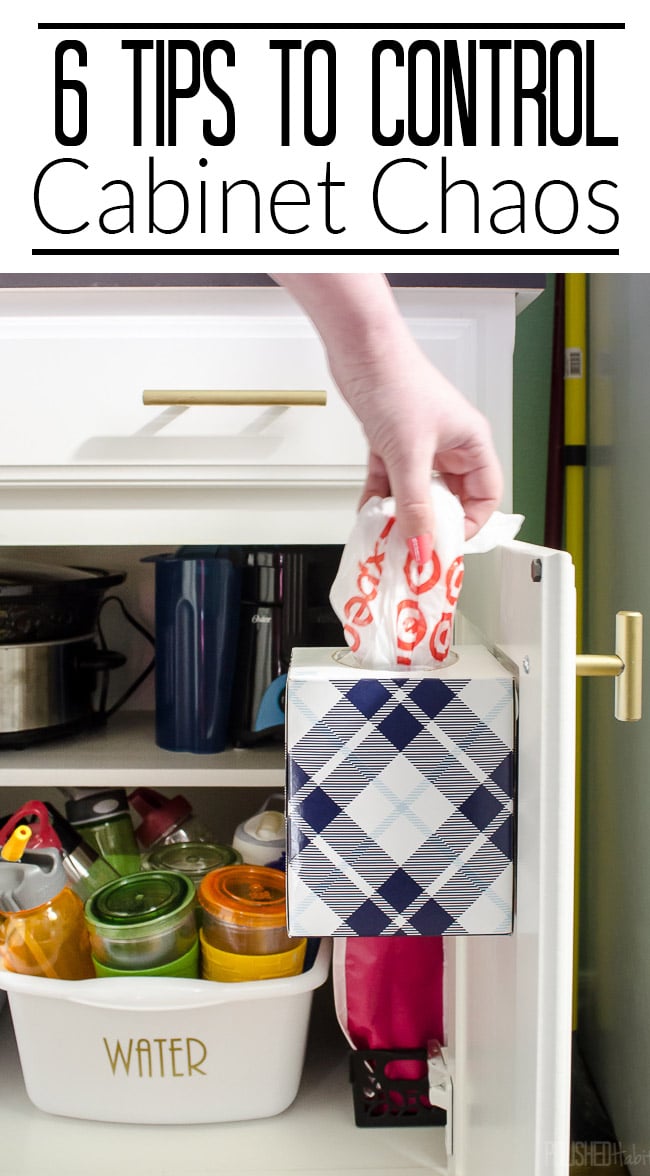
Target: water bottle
(261, 840)
(197, 613)
(103, 820)
(166, 820)
(44, 932)
(37, 816)
(85, 869)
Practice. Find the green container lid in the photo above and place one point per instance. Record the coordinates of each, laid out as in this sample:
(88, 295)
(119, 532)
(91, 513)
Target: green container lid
(195, 859)
(151, 901)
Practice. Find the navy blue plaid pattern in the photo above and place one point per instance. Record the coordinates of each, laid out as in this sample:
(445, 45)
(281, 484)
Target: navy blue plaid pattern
(400, 806)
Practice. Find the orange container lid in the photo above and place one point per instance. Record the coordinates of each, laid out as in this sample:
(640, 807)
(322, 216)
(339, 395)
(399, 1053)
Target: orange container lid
(245, 895)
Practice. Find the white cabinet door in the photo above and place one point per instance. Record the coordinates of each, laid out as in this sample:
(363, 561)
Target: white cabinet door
(74, 365)
(509, 998)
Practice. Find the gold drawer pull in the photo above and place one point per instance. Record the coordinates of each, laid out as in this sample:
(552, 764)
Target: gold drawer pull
(192, 396)
(625, 665)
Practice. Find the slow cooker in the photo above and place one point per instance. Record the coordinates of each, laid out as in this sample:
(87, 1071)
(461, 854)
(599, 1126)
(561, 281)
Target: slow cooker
(49, 653)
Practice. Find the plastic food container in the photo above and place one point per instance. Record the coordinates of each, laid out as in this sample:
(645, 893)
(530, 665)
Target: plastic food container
(186, 965)
(195, 859)
(139, 1050)
(244, 910)
(231, 966)
(143, 921)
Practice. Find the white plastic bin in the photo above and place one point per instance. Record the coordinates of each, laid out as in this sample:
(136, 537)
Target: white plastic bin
(161, 1050)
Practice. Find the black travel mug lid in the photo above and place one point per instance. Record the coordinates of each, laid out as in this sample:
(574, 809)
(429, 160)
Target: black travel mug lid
(97, 806)
(69, 837)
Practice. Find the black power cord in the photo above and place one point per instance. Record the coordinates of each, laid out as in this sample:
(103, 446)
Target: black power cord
(103, 709)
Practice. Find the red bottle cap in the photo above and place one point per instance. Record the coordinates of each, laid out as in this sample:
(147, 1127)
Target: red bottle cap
(34, 814)
(160, 814)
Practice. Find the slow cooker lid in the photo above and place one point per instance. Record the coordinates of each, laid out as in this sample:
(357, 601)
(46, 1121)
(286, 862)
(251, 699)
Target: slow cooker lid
(21, 578)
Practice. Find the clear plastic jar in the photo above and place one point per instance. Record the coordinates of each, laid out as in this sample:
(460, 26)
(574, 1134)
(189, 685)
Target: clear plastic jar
(195, 859)
(143, 921)
(243, 910)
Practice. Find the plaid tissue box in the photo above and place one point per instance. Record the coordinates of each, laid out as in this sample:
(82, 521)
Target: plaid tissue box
(399, 797)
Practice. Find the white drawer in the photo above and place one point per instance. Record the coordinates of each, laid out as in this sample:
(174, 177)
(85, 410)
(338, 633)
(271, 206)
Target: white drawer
(74, 367)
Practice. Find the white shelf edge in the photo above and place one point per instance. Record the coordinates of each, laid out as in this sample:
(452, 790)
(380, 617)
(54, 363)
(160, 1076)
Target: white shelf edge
(124, 754)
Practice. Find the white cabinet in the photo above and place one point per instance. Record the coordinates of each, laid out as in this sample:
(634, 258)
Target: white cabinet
(508, 999)
(79, 447)
(73, 368)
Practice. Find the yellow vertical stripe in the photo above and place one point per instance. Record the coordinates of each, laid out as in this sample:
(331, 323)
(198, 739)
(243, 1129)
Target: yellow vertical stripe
(575, 434)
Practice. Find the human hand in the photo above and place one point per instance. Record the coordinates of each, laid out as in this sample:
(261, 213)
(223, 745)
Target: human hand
(417, 423)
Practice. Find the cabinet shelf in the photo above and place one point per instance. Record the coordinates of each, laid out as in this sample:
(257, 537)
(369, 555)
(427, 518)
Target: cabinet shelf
(316, 1134)
(126, 747)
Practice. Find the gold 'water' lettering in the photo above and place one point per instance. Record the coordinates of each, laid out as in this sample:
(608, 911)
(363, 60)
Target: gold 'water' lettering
(174, 1048)
(151, 1061)
(119, 1054)
(195, 1065)
(143, 1048)
(160, 1041)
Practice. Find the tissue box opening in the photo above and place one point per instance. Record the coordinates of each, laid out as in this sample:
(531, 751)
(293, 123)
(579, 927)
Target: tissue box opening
(400, 794)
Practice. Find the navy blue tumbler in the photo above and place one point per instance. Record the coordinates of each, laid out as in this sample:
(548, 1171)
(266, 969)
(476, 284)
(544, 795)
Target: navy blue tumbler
(197, 618)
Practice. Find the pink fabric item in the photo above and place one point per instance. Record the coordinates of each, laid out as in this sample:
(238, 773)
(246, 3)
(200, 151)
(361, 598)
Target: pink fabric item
(389, 992)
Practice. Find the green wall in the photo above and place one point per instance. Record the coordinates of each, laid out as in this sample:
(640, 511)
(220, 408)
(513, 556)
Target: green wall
(532, 386)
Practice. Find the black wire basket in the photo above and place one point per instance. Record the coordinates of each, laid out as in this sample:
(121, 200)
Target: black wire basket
(383, 1100)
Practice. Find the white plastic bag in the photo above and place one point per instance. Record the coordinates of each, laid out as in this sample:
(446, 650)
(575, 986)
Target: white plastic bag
(393, 611)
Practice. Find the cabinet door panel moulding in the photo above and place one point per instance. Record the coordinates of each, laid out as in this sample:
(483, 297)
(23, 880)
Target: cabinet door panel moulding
(77, 368)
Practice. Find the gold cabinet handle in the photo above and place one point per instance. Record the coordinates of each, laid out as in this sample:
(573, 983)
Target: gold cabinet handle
(626, 665)
(193, 396)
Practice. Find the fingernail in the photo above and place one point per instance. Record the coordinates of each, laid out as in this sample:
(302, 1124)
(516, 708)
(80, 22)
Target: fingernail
(421, 547)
